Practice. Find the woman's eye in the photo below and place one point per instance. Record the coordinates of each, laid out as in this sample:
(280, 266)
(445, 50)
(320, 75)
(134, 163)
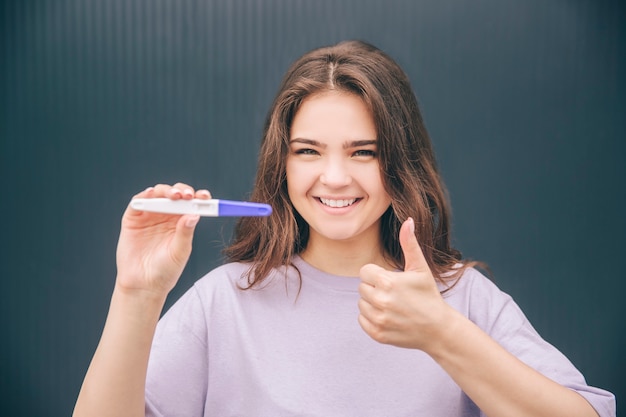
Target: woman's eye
(365, 152)
(305, 151)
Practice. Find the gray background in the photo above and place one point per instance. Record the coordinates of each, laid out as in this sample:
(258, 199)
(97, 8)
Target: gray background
(524, 101)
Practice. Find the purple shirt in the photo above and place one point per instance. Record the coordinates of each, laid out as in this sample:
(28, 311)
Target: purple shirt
(222, 351)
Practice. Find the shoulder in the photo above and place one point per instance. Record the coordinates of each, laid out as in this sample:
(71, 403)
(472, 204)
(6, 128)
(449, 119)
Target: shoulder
(483, 302)
(232, 272)
(221, 286)
(221, 280)
(472, 283)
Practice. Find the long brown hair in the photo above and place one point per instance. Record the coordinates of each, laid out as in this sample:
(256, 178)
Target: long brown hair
(405, 152)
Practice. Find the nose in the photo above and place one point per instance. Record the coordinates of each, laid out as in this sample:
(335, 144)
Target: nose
(335, 174)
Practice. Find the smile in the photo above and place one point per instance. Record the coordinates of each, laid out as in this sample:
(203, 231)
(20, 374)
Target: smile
(337, 203)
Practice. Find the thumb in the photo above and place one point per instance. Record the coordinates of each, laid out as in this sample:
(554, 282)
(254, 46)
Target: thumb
(184, 235)
(413, 257)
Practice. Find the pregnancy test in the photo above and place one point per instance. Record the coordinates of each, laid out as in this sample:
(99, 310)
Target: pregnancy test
(208, 208)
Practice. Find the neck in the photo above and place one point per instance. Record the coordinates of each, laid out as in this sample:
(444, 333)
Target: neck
(344, 258)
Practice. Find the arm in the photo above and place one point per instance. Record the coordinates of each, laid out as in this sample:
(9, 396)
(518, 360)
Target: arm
(406, 309)
(151, 254)
(115, 381)
(498, 382)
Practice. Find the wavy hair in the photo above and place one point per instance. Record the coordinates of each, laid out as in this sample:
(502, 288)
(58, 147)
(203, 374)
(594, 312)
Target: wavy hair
(407, 163)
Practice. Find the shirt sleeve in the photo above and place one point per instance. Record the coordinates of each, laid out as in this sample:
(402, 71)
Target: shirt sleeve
(498, 315)
(176, 383)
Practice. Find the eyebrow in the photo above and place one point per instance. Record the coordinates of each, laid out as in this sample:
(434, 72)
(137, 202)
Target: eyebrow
(346, 145)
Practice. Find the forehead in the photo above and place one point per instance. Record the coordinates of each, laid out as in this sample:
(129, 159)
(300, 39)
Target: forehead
(333, 115)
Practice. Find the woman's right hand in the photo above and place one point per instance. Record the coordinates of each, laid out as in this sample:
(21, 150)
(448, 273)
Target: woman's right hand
(153, 248)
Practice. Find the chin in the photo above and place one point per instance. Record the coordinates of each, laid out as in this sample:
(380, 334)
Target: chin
(339, 235)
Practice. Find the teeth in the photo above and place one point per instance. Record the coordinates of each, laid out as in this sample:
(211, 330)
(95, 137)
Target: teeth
(337, 203)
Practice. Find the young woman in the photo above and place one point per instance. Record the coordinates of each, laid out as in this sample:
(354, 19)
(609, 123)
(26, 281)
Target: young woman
(347, 301)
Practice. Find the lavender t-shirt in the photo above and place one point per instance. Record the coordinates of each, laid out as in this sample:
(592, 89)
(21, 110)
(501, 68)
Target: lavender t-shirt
(282, 350)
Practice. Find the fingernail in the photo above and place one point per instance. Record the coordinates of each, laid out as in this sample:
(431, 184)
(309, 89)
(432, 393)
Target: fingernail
(411, 224)
(175, 191)
(187, 192)
(192, 221)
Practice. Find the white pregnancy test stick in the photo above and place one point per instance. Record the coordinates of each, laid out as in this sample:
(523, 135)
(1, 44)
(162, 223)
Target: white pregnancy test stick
(208, 208)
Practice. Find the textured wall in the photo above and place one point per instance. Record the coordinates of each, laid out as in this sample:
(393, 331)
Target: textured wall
(524, 100)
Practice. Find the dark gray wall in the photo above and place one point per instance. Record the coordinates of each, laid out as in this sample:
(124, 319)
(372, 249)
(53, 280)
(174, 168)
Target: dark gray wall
(524, 100)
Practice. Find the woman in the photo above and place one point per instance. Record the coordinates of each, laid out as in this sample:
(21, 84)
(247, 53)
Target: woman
(349, 300)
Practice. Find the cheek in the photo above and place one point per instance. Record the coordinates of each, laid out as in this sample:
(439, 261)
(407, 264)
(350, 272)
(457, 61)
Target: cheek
(295, 177)
(290, 166)
(378, 187)
(299, 174)
(290, 173)
(374, 178)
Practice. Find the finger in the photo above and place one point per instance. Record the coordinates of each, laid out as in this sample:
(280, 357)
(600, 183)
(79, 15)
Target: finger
(181, 190)
(203, 194)
(162, 190)
(373, 330)
(367, 292)
(413, 257)
(370, 274)
(147, 193)
(365, 324)
(183, 237)
(367, 310)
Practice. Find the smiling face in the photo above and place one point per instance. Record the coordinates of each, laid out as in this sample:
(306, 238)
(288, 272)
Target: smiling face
(333, 173)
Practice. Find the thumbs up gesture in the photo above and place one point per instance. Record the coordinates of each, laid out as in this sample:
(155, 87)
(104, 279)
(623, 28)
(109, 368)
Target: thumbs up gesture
(403, 308)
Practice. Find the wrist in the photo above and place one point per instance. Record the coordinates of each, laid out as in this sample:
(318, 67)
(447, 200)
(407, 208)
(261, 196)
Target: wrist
(143, 300)
(447, 335)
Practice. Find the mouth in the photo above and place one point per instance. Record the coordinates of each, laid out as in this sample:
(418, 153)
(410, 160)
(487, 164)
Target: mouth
(337, 203)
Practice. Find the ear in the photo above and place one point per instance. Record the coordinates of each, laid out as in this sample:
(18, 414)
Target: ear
(413, 257)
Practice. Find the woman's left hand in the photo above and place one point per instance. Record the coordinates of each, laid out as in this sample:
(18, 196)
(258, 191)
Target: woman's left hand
(403, 308)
